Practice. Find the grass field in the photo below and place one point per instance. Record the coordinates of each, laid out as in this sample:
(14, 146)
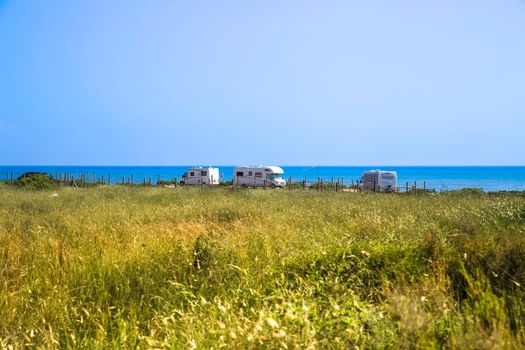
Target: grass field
(116, 267)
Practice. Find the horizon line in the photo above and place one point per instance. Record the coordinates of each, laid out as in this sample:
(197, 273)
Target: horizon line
(286, 165)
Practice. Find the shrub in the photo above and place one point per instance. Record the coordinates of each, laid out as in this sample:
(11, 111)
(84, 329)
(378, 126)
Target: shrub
(36, 182)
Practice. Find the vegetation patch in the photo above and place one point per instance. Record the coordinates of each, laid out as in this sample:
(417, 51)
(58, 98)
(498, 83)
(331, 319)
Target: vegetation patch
(115, 267)
(36, 182)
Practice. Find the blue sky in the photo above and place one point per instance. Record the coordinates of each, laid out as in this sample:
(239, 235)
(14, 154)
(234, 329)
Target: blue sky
(165, 82)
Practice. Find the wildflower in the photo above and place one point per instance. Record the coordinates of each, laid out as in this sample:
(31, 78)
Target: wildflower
(424, 298)
(365, 253)
(272, 323)
(193, 344)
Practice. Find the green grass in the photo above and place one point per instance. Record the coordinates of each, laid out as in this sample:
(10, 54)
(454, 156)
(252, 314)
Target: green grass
(116, 267)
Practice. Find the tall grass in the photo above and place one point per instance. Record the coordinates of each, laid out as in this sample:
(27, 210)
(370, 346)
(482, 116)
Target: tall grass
(115, 267)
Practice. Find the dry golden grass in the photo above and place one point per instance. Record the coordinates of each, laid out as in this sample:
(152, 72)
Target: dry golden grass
(115, 267)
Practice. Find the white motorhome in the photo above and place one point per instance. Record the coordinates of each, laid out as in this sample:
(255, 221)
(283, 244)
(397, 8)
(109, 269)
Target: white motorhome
(378, 181)
(260, 176)
(201, 176)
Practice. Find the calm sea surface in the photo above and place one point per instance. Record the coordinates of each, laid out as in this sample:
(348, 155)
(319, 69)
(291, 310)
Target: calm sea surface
(494, 178)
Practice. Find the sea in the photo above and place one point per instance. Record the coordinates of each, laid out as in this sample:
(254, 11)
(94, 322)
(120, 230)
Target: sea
(440, 178)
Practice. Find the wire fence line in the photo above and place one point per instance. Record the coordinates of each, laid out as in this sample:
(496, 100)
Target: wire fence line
(343, 183)
(336, 184)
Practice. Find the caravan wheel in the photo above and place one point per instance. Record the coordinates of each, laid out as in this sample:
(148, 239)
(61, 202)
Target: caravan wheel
(182, 183)
(244, 186)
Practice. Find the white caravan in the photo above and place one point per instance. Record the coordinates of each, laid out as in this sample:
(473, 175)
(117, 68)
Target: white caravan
(378, 181)
(260, 176)
(201, 176)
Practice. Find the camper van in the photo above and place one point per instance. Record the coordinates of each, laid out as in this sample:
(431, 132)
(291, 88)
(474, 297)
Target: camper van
(378, 181)
(261, 176)
(201, 176)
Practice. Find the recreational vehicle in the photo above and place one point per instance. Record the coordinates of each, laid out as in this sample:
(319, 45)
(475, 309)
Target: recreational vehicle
(201, 176)
(378, 181)
(261, 176)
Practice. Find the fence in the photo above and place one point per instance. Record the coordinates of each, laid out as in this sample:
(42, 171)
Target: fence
(84, 180)
(350, 185)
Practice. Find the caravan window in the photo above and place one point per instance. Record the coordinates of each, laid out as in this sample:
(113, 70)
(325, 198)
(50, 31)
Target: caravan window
(192, 173)
(250, 173)
(387, 176)
(204, 173)
(273, 176)
(258, 174)
(369, 178)
(239, 173)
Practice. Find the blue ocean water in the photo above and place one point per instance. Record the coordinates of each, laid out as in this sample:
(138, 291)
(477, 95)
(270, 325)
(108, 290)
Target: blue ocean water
(489, 178)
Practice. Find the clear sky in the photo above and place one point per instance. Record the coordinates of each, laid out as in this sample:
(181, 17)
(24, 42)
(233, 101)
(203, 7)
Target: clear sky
(166, 82)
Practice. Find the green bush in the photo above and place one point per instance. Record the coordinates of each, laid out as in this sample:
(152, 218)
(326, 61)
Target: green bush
(36, 182)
